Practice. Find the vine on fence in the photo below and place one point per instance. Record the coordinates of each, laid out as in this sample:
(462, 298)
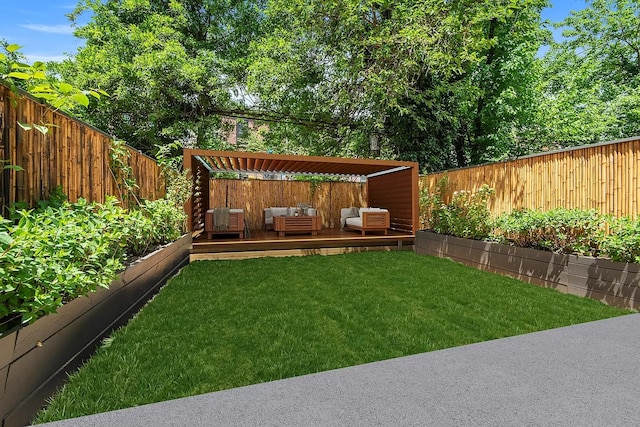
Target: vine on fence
(122, 172)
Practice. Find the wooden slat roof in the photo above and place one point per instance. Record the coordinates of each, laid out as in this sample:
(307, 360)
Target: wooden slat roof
(245, 162)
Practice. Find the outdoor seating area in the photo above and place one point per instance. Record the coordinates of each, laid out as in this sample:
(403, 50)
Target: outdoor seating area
(366, 219)
(298, 215)
(271, 212)
(224, 221)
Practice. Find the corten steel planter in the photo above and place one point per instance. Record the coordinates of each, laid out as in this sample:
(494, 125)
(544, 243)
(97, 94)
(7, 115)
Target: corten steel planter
(35, 360)
(615, 283)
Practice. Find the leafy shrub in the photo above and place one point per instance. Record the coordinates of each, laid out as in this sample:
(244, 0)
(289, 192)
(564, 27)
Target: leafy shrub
(431, 204)
(623, 241)
(572, 231)
(55, 254)
(558, 230)
(467, 215)
(167, 222)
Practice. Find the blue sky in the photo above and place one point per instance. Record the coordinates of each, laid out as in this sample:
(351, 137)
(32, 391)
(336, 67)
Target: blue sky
(42, 28)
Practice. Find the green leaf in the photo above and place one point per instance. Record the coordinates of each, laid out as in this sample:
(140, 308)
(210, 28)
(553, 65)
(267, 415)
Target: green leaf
(81, 99)
(41, 128)
(5, 238)
(19, 75)
(13, 48)
(24, 126)
(65, 88)
(14, 167)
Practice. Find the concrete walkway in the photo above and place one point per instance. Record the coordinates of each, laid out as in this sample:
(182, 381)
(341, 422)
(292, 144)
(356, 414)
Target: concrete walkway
(583, 375)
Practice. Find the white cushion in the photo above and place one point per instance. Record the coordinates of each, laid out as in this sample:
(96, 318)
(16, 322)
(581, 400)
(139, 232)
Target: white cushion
(356, 221)
(278, 211)
(230, 210)
(371, 210)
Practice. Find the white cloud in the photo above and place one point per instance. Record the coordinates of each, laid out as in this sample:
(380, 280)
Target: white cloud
(54, 29)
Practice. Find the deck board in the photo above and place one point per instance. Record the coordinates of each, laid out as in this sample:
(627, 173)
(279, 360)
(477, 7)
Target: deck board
(268, 243)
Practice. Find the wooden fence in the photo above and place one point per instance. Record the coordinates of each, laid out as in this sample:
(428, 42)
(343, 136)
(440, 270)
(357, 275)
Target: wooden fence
(602, 176)
(72, 155)
(255, 195)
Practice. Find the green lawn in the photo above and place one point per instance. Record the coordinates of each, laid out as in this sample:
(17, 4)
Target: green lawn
(223, 324)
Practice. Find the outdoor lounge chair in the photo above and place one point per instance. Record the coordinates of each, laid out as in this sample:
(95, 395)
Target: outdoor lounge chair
(369, 219)
(224, 221)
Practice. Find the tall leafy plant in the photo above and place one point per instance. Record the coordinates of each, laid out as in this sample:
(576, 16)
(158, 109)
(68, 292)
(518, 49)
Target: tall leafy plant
(466, 215)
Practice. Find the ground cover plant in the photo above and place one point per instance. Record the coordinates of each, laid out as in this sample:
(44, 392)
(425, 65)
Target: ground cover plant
(224, 324)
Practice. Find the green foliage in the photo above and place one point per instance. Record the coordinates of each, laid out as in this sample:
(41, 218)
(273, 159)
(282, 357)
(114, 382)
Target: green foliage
(467, 215)
(122, 171)
(560, 230)
(57, 254)
(590, 80)
(569, 231)
(430, 78)
(170, 66)
(56, 199)
(623, 242)
(35, 79)
(65, 250)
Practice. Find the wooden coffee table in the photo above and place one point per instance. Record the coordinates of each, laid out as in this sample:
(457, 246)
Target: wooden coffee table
(296, 224)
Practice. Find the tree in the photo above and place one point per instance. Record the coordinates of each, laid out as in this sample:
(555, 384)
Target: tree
(170, 66)
(431, 80)
(592, 78)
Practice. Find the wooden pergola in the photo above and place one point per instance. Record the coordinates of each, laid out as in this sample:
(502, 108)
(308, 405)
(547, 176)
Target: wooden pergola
(390, 184)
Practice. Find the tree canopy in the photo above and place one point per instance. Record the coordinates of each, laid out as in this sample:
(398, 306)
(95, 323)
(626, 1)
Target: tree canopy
(590, 79)
(445, 83)
(169, 66)
(427, 79)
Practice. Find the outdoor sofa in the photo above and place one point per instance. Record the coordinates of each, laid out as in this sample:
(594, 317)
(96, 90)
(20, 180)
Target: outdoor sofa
(269, 213)
(367, 219)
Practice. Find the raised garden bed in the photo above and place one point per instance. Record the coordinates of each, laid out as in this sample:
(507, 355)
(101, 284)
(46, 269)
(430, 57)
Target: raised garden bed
(615, 283)
(36, 359)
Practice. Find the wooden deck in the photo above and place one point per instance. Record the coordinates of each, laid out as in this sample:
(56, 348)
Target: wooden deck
(261, 243)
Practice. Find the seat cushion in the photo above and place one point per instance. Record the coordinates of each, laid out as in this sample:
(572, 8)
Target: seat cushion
(354, 221)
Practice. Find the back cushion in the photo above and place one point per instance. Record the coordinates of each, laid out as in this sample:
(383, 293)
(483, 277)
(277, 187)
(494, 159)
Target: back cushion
(277, 211)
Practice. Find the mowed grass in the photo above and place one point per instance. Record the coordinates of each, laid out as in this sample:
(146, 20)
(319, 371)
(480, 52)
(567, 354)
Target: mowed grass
(224, 324)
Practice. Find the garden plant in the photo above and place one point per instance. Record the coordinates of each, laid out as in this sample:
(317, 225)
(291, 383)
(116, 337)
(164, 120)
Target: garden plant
(62, 250)
(560, 230)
